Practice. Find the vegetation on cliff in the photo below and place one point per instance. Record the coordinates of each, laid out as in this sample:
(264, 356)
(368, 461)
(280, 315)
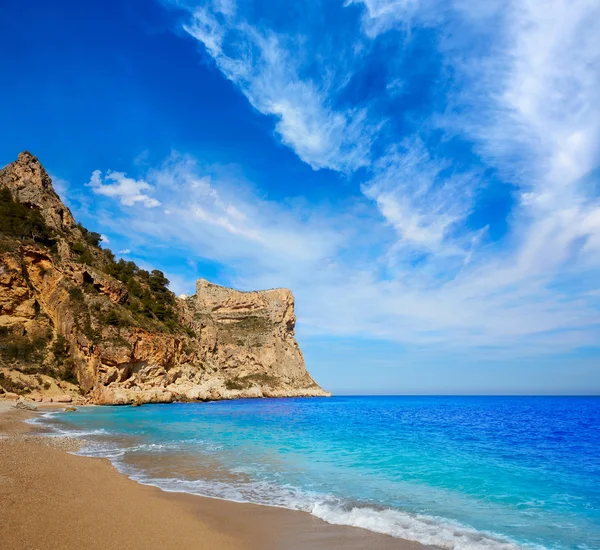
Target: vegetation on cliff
(36, 348)
(73, 318)
(21, 222)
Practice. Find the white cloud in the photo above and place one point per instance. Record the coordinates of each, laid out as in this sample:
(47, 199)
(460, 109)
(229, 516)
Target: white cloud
(382, 15)
(266, 67)
(218, 216)
(127, 190)
(124, 252)
(105, 239)
(528, 103)
(533, 115)
(416, 199)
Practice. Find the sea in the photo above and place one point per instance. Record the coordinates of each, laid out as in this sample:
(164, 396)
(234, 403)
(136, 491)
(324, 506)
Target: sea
(460, 473)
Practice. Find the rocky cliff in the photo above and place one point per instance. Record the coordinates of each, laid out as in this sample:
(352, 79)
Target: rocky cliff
(77, 324)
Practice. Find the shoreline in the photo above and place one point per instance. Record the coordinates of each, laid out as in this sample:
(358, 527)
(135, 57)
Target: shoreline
(54, 499)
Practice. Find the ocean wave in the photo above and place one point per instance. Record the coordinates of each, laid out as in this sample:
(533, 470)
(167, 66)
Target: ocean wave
(423, 529)
(57, 431)
(427, 530)
(39, 419)
(80, 433)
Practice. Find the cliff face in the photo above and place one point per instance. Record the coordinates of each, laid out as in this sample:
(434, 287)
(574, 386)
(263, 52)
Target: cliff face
(76, 324)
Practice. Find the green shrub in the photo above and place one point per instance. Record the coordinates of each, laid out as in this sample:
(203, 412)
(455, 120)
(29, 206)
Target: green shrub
(148, 294)
(8, 244)
(84, 255)
(261, 379)
(15, 347)
(87, 258)
(59, 347)
(22, 221)
(235, 384)
(189, 331)
(78, 248)
(87, 329)
(76, 294)
(91, 237)
(113, 318)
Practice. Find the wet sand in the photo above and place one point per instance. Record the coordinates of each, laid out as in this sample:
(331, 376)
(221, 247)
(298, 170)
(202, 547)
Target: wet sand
(50, 499)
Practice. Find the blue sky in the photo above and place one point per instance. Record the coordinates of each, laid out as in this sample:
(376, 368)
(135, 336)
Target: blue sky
(424, 176)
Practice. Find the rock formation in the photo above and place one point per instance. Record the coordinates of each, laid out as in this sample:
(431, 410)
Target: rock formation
(75, 323)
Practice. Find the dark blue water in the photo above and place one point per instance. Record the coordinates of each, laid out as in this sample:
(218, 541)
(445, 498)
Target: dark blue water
(457, 472)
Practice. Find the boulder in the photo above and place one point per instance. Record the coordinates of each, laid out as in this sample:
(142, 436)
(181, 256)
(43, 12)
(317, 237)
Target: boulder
(63, 399)
(25, 405)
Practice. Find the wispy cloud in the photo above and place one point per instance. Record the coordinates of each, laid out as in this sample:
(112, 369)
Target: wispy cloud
(382, 15)
(528, 104)
(214, 214)
(421, 197)
(267, 68)
(551, 93)
(406, 182)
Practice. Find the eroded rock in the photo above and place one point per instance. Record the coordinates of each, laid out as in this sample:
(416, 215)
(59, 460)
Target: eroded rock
(74, 317)
(25, 405)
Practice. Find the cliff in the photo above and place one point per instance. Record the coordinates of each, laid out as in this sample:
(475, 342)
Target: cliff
(77, 325)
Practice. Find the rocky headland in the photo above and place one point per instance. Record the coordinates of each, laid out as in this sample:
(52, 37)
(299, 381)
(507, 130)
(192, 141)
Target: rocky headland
(78, 325)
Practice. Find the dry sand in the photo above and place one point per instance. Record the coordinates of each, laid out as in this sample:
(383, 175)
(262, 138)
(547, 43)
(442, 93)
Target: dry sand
(50, 499)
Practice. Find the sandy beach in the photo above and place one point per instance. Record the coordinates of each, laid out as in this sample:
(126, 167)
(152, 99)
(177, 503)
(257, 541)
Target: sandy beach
(51, 499)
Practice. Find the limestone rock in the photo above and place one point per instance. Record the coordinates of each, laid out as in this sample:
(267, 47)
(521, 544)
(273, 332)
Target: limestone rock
(22, 404)
(28, 182)
(63, 399)
(115, 290)
(59, 302)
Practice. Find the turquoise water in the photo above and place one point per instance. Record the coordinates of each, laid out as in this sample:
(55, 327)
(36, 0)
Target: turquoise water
(456, 472)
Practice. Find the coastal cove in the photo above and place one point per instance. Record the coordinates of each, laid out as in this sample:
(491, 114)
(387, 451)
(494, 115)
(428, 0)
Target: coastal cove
(310, 275)
(448, 472)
